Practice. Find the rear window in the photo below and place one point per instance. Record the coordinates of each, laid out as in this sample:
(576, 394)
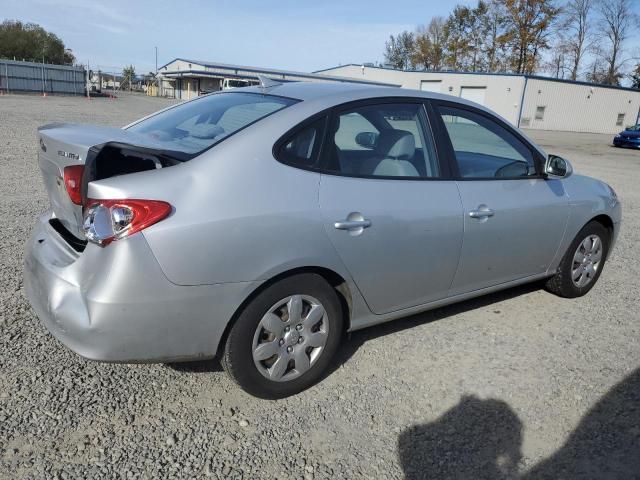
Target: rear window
(196, 126)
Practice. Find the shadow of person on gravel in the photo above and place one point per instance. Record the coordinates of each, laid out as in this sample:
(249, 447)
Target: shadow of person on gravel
(476, 439)
(606, 443)
(481, 439)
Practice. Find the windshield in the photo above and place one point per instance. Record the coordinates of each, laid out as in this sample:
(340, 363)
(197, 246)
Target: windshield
(635, 128)
(196, 126)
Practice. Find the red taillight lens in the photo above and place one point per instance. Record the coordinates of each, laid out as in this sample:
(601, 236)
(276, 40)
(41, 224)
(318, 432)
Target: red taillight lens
(108, 220)
(73, 182)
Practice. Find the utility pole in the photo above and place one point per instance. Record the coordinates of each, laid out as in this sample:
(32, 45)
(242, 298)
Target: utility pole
(157, 82)
(43, 84)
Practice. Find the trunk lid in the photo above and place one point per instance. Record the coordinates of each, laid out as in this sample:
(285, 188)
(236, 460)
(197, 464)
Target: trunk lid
(62, 145)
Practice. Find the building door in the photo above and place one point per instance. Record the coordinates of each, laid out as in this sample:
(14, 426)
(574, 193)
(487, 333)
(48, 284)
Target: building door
(473, 94)
(431, 85)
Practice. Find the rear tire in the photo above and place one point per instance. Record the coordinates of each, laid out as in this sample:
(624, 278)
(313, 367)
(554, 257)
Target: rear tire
(583, 262)
(283, 341)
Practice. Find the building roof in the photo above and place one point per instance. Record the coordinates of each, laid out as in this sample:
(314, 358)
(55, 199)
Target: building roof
(325, 90)
(243, 71)
(6, 61)
(500, 74)
(343, 92)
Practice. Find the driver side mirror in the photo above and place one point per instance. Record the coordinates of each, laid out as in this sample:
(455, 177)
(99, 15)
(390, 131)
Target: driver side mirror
(367, 139)
(557, 167)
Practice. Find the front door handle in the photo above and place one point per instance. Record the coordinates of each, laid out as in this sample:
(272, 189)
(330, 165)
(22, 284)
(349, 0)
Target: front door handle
(482, 212)
(352, 224)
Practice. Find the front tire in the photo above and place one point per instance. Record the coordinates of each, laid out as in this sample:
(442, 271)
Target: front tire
(285, 338)
(583, 262)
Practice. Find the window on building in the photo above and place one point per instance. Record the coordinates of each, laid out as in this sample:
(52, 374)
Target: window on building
(540, 113)
(620, 120)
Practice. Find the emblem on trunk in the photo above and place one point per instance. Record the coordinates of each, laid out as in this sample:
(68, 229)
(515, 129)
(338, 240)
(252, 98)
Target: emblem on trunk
(71, 155)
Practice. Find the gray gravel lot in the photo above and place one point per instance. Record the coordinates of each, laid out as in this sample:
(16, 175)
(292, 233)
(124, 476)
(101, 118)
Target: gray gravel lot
(516, 384)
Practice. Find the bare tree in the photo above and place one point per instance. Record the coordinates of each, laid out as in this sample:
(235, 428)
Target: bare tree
(399, 50)
(597, 68)
(528, 26)
(422, 49)
(617, 22)
(577, 25)
(493, 28)
(459, 46)
(561, 61)
(428, 45)
(635, 77)
(435, 32)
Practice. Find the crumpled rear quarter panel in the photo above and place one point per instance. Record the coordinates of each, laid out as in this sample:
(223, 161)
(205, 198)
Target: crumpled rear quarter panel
(115, 303)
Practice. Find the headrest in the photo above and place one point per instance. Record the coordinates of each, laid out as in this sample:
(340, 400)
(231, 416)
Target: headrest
(397, 144)
(336, 125)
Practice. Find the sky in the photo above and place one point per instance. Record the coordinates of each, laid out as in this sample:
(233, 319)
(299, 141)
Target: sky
(287, 34)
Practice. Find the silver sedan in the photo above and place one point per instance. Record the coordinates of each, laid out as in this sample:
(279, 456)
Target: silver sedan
(261, 224)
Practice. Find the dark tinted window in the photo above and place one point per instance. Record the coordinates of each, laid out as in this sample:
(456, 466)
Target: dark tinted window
(385, 140)
(303, 147)
(485, 149)
(195, 126)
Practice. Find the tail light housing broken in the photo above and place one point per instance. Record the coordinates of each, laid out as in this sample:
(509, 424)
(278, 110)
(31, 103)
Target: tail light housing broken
(106, 221)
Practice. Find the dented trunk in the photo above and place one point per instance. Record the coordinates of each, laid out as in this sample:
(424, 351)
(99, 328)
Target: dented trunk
(104, 151)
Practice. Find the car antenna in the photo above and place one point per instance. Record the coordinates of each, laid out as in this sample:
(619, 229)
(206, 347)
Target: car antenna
(266, 82)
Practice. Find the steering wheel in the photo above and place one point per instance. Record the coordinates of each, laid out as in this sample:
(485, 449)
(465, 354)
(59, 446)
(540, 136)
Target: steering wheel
(517, 168)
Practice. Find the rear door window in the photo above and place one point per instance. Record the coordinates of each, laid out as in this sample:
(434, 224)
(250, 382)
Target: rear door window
(382, 140)
(195, 126)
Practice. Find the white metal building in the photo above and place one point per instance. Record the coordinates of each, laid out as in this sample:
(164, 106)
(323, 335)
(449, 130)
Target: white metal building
(185, 79)
(526, 101)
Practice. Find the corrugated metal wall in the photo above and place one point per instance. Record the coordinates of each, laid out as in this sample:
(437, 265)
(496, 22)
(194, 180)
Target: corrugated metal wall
(570, 107)
(502, 94)
(547, 104)
(37, 77)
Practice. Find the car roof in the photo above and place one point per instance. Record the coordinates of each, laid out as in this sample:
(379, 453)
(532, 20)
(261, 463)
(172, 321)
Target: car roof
(340, 90)
(313, 90)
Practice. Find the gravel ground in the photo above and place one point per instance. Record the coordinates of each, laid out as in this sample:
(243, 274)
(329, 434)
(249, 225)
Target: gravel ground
(519, 384)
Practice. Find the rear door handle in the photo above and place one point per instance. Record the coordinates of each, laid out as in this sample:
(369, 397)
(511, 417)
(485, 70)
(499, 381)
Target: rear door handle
(482, 212)
(352, 224)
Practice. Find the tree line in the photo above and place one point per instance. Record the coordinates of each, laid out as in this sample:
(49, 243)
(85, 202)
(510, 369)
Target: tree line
(579, 39)
(31, 42)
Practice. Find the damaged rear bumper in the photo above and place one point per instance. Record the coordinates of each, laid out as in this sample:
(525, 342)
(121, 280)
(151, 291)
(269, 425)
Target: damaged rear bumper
(115, 304)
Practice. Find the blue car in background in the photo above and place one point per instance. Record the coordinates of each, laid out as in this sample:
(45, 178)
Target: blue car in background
(628, 138)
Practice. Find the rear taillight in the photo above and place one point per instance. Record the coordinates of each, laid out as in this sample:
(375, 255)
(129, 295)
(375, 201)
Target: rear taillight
(73, 182)
(108, 220)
